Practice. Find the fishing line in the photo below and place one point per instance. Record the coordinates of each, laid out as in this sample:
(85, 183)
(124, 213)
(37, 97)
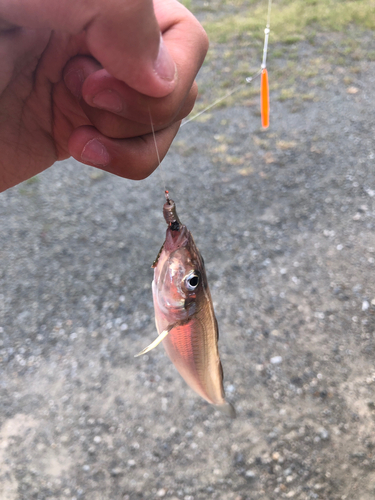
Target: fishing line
(154, 137)
(157, 151)
(264, 86)
(266, 34)
(249, 79)
(264, 93)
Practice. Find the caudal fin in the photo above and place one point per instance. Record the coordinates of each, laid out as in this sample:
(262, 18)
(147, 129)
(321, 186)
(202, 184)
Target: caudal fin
(227, 409)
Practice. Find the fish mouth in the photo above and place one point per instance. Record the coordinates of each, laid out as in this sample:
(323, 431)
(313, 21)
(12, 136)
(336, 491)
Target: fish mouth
(176, 239)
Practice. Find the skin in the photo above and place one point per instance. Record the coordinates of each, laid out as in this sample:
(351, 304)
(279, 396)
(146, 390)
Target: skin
(81, 78)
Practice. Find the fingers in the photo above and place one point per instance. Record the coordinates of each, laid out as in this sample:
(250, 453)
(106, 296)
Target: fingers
(103, 92)
(77, 71)
(133, 158)
(130, 112)
(116, 126)
(123, 35)
(140, 57)
(186, 42)
(184, 36)
(100, 90)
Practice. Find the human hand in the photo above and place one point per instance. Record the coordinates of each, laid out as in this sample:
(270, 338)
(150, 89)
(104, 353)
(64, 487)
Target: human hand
(93, 47)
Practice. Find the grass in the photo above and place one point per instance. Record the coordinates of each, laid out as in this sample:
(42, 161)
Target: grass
(291, 20)
(187, 3)
(236, 32)
(27, 188)
(32, 180)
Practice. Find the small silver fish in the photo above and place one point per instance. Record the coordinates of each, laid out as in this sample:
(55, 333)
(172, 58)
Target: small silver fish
(184, 313)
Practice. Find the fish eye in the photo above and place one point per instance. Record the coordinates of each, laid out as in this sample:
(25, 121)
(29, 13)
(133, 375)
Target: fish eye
(192, 280)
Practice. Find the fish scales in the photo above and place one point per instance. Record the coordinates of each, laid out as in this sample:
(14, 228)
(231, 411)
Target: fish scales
(190, 353)
(184, 313)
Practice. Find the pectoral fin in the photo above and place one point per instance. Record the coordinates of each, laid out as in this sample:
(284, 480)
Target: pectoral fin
(155, 342)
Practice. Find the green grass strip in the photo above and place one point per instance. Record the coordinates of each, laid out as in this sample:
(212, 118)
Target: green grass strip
(292, 20)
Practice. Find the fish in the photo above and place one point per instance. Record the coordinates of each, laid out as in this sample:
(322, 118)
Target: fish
(184, 313)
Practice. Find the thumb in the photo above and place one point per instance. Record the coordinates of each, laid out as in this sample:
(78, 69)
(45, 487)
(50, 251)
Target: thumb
(123, 35)
(126, 40)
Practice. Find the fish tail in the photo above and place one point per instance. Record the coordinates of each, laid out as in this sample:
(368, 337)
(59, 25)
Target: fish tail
(227, 409)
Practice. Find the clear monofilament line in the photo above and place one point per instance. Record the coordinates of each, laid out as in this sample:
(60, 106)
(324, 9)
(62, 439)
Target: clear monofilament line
(249, 79)
(265, 47)
(157, 151)
(269, 14)
(154, 137)
(266, 35)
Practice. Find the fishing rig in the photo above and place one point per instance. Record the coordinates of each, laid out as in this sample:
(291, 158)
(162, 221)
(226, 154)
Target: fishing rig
(182, 353)
(264, 91)
(264, 85)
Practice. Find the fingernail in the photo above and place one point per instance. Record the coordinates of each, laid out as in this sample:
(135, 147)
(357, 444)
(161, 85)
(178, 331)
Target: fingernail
(109, 100)
(96, 153)
(74, 81)
(164, 65)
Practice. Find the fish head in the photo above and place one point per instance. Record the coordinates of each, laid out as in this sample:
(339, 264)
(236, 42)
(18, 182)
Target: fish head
(179, 276)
